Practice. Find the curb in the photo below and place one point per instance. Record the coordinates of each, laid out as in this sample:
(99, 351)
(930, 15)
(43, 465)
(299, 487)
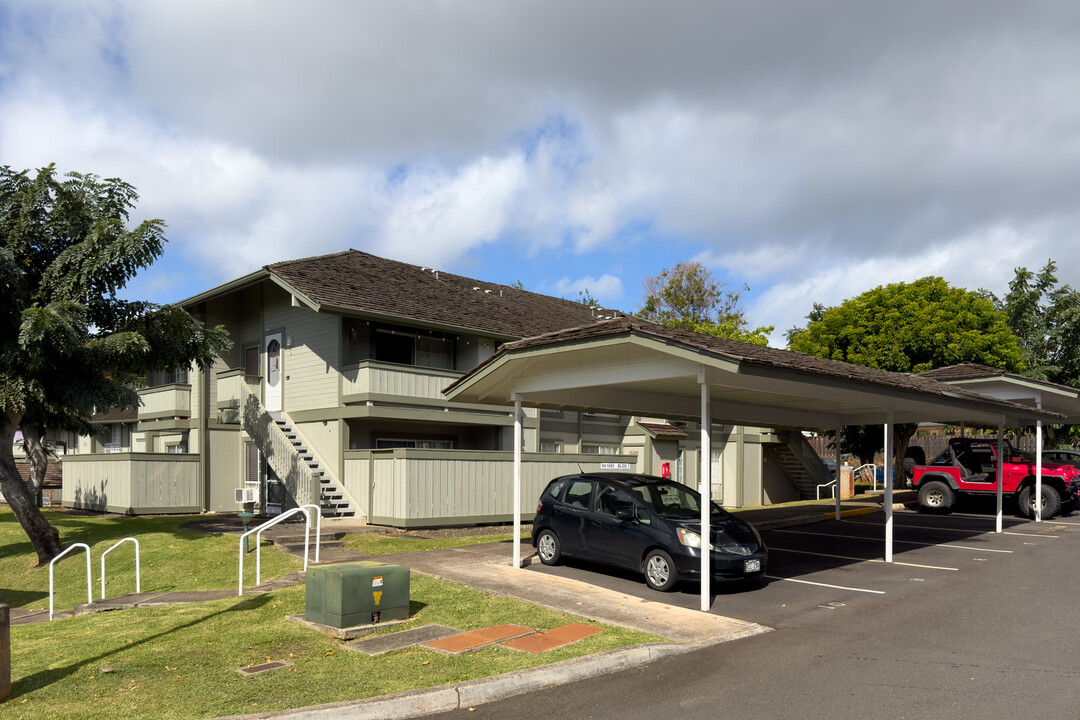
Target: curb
(467, 694)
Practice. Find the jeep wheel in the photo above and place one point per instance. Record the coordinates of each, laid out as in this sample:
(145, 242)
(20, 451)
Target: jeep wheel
(936, 496)
(1051, 501)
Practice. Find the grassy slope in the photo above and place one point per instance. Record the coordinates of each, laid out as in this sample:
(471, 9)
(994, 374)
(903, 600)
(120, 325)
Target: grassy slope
(181, 661)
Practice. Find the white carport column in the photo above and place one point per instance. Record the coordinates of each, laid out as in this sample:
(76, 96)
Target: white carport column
(705, 487)
(1038, 462)
(888, 462)
(517, 480)
(836, 487)
(1000, 473)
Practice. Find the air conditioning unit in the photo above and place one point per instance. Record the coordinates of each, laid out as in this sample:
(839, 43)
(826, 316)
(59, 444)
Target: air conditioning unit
(247, 495)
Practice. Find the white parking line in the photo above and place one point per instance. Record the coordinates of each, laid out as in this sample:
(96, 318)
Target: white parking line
(895, 542)
(945, 529)
(836, 587)
(848, 557)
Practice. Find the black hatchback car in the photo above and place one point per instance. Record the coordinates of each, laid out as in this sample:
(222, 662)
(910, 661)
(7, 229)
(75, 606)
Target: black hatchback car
(643, 523)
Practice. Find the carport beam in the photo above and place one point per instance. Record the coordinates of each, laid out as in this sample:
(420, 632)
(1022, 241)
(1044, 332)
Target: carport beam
(706, 494)
(836, 487)
(1000, 474)
(517, 481)
(1038, 462)
(888, 461)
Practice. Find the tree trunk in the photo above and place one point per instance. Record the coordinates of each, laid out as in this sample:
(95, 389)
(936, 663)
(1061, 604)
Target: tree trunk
(33, 441)
(902, 434)
(44, 537)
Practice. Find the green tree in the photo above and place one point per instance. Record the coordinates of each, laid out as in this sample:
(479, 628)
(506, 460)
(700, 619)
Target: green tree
(68, 344)
(689, 296)
(911, 328)
(1046, 318)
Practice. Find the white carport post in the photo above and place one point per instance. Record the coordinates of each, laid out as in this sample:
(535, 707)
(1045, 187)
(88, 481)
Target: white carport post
(1000, 473)
(888, 502)
(517, 479)
(1038, 461)
(705, 487)
(836, 487)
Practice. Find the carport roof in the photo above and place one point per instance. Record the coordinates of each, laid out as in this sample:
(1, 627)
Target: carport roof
(632, 366)
(1004, 385)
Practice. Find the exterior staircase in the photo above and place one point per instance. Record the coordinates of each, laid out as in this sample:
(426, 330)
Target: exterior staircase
(802, 466)
(332, 500)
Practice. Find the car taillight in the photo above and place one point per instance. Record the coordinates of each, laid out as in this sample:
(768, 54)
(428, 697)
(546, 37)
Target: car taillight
(538, 506)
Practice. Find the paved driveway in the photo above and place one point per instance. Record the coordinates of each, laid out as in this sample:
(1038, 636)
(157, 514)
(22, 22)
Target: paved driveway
(823, 567)
(972, 625)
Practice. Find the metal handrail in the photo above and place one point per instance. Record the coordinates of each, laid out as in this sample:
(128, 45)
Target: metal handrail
(873, 472)
(138, 583)
(89, 585)
(318, 529)
(258, 543)
(831, 483)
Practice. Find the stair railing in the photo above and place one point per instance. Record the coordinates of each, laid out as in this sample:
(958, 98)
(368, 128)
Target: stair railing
(138, 584)
(258, 543)
(89, 585)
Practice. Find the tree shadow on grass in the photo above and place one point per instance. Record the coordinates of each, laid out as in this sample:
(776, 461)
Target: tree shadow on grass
(44, 678)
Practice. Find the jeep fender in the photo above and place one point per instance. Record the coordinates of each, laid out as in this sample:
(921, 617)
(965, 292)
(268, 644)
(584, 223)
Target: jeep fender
(1053, 481)
(943, 477)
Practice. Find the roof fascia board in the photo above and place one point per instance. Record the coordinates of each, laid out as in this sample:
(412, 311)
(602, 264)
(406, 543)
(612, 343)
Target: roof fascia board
(1017, 381)
(229, 287)
(405, 319)
(296, 294)
(601, 376)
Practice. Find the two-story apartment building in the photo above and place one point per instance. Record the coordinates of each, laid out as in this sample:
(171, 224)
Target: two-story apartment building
(332, 395)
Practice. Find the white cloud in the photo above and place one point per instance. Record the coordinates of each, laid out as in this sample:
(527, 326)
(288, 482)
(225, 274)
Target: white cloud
(606, 289)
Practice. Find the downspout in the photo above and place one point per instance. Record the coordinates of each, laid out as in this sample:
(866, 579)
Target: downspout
(204, 438)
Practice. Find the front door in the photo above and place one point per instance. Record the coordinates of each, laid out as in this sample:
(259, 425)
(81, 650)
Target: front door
(272, 372)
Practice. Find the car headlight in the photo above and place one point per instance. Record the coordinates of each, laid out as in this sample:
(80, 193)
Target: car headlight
(689, 538)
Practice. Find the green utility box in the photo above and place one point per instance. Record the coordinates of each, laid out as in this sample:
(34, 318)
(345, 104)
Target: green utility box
(356, 593)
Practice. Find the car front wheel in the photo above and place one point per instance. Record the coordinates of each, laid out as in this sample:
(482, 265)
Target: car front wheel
(548, 548)
(660, 573)
(1051, 502)
(936, 496)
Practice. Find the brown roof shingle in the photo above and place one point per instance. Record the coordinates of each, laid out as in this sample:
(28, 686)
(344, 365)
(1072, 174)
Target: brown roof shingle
(354, 280)
(750, 354)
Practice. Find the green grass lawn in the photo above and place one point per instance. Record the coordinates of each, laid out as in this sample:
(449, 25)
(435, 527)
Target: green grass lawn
(180, 661)
(375, 544)
(171, 559)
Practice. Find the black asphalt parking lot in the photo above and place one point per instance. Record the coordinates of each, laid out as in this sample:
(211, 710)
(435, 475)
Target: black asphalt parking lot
(819, 568)
(964, 624)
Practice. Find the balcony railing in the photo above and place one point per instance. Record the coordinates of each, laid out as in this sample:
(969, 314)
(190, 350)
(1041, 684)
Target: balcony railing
(166, 401)
(371, 377)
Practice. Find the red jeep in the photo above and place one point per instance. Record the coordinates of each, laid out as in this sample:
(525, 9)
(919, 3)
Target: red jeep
(968, 466)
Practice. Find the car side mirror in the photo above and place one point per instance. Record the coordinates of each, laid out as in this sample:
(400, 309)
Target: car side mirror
(626, 514)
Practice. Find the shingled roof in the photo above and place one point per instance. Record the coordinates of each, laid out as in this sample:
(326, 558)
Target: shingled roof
(363, 283)
(748, 354)
(963, 371)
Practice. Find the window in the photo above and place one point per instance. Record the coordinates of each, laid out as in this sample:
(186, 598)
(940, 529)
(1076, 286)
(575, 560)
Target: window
(391, 443)
(176, 449)
(579, 493)
(551, 446)
(600, 449)
(251, 361)
(405, 347)
(610, 500)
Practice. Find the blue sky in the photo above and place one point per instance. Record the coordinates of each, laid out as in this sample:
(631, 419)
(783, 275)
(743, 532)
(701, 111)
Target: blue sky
(811, 149)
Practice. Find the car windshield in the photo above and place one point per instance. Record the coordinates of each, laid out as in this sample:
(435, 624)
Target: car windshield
(673, 500)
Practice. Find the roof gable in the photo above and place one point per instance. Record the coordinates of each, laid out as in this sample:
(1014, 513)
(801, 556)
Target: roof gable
(364, 283)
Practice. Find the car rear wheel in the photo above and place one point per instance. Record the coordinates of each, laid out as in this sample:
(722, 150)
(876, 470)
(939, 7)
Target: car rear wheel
(548, 547)
(1051, 502)
(660, 573)
(936, 496)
